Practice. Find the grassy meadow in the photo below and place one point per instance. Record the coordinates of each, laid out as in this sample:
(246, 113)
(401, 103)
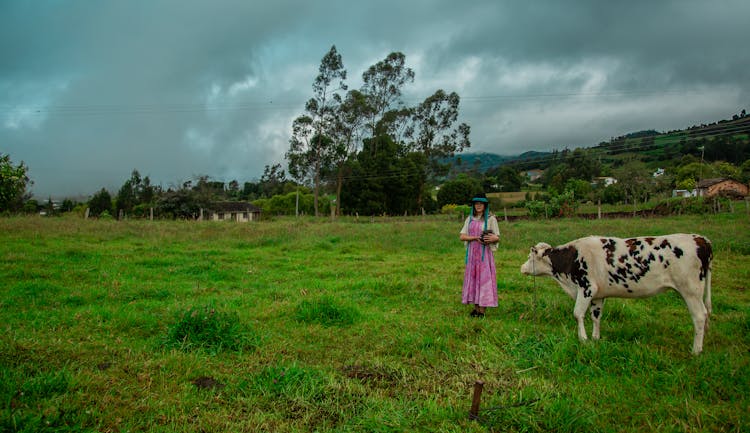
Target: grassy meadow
(349, 326)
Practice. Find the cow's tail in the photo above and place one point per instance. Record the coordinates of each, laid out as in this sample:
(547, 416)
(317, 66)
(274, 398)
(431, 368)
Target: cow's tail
(707, 293)
(707, 288)
(707, 283)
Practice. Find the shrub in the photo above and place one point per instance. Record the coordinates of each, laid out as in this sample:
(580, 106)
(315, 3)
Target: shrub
(563, 205)
(536, 208)
(683, 206)
(456, 209)
(559, 205)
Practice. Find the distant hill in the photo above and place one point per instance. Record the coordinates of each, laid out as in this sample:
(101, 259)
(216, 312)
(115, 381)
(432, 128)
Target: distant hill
(726, 140)
(484, 161)
(478, 161)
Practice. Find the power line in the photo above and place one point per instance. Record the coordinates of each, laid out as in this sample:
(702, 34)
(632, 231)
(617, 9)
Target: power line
(579, 94)
(107, 109)
(153, 109)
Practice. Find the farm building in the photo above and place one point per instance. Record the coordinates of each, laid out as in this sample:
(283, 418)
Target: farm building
(533, 174)
(684, 193)
(721, 187)
(604, 181)
(239, 211)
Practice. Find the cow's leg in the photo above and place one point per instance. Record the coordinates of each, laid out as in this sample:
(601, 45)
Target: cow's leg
(596, 308)
(582, 304)
(699, 314)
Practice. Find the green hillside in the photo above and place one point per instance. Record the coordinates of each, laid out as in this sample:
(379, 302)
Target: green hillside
(725, 140)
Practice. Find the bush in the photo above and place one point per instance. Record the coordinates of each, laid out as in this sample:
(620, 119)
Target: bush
(536, 209)
(142, 210)
(563, 205)
(693, 205)
(682, 206)
(560, 205)
(456, 209)
(286, 204)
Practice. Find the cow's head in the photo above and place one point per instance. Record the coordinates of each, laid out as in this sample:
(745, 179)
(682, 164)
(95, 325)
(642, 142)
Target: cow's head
(539, 262)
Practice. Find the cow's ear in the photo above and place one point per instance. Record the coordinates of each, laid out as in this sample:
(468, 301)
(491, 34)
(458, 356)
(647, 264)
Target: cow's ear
(543, 246)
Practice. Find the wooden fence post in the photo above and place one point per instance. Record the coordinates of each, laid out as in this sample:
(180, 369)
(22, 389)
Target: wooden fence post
(474, 411)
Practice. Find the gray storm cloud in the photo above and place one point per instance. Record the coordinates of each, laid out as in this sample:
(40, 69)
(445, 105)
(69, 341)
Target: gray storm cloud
(90, 91)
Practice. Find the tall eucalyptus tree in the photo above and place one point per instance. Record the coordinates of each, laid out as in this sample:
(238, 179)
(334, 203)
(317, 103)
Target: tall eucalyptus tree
(311, 149)
(435, 133)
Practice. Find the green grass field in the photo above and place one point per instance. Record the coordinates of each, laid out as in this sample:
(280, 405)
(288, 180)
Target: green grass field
(301, 325)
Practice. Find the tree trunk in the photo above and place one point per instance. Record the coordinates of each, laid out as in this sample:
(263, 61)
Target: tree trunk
(316, 185)
(315, 190)
(339, 183)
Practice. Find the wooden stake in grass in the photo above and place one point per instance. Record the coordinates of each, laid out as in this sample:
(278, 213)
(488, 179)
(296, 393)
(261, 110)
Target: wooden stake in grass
(474, 411)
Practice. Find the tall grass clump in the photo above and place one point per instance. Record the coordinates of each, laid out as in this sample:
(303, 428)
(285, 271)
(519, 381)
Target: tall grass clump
(23, 392)
(291, 382)
(325, 311)
(205, 328)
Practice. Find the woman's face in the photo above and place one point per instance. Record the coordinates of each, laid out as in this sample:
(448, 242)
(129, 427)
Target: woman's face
(478, 207)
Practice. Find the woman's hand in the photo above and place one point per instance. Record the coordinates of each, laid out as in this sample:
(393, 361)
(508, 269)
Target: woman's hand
(489, 238)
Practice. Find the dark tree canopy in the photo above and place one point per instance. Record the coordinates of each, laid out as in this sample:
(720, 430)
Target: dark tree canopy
(100, 202)
(13, 182)
(458, 191)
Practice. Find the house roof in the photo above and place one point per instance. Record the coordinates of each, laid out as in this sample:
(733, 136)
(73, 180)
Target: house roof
(705, 183)
(234, 206)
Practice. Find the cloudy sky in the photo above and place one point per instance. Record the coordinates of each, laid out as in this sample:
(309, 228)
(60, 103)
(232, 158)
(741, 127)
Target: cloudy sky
(90, 90)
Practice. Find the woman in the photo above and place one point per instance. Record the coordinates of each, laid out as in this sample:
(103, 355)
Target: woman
(481, 234)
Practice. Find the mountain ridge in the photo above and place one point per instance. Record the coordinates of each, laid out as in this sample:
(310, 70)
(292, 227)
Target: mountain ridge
(651, 143)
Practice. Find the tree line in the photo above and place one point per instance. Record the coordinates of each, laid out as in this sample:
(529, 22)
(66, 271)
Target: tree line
(364, 151)
(138, 198)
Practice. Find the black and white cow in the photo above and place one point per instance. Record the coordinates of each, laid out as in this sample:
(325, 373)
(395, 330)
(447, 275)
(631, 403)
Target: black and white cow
(593, 268)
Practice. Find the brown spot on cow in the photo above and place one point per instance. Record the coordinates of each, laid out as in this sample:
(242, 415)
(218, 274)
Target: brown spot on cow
(562, 259)
(705, 254)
